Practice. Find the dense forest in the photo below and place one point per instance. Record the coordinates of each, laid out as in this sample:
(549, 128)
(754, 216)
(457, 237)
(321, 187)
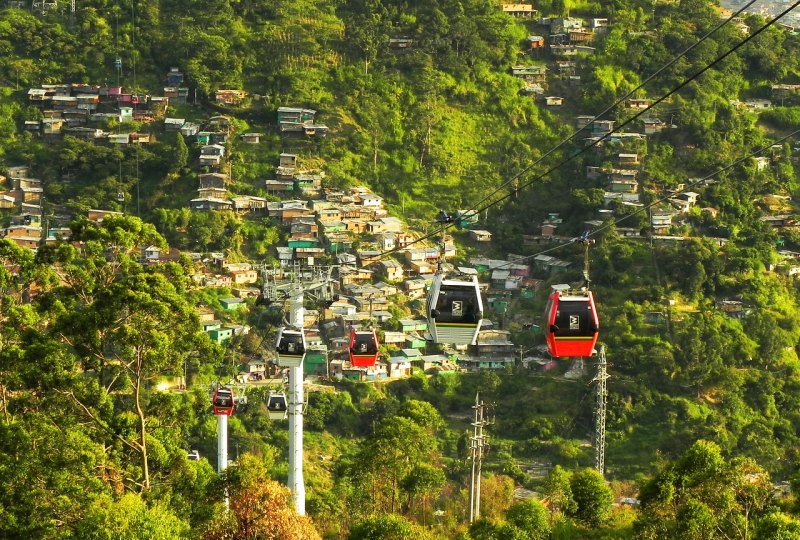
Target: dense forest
(703, 427)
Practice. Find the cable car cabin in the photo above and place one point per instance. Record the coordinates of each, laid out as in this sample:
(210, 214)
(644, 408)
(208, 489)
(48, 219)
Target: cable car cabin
(291, 347)
(572, 324)
(277, 406)
(363, 348)
(455, 310)
(223, 402)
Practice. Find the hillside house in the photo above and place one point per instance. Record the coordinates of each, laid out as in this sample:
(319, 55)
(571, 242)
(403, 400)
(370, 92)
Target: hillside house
(219, 123)
(638, 104)
(213, 180)
(661, 220)
(98, 215)
(401, 44)
(308, 255)
(251, 138)
(151, 254)
(385, 224)
(535, 42)
(367, 257)
(421, 268)
(399, 366)
(212, 193)
(295, 114)
(480, 235)
(580, 36)
(628, 159)
(209, 203)
(785, 94)
(495, 343)
(690, 197)
(241, 277)
(229, 97)
(778, 221)
(550, 265)
(536, 74)
(520, 11)
(392, 270)
(563, 25)
(653, 125)
(232, 304)
(622, 186)
(173, 124)
(7, 202)
(762, 163)
(280, 188)
(287, 160)
(174, 77)
(553, 101)
(415, 288)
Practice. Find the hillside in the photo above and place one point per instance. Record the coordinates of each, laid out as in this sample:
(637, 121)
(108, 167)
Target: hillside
(206, 138)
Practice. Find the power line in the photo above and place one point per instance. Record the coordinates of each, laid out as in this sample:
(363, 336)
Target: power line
(656, 202)
(478, 209)
(616, 103)
(656, 102)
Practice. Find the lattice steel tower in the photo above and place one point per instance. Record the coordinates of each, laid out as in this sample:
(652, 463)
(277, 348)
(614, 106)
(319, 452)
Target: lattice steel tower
(601, 394)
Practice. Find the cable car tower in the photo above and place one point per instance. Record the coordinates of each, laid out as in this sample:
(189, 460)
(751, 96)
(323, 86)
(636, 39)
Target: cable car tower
(223, 404)
(290, 285)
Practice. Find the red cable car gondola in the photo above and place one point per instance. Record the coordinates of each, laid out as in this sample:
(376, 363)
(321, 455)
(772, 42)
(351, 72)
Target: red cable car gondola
(363, 348)
(571, 323)
(223, 401)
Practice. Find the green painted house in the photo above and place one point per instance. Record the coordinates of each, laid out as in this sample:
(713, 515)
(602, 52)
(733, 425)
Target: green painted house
(316, 362)
(303, 243)
(414, 342)
(413, 325)
(232, 304)
(220, 335)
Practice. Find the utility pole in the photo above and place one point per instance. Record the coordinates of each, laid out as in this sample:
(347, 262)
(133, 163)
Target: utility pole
(477, 449)
(601, 393)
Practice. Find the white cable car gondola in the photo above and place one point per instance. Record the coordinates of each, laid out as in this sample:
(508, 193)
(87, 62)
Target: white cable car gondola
(454, 310)
(291, 347)
(277, 406)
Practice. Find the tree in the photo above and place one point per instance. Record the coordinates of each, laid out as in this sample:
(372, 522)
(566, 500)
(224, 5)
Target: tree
(126, 323)
(558, 491)
(593, 497)
(129, 518)
(387, 527)
(421, 485)
(181, 157)
(531, 517)
(259, 508)
(701, 495)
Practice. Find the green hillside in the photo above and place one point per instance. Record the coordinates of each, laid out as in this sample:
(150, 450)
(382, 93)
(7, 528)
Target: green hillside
(436, 105)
